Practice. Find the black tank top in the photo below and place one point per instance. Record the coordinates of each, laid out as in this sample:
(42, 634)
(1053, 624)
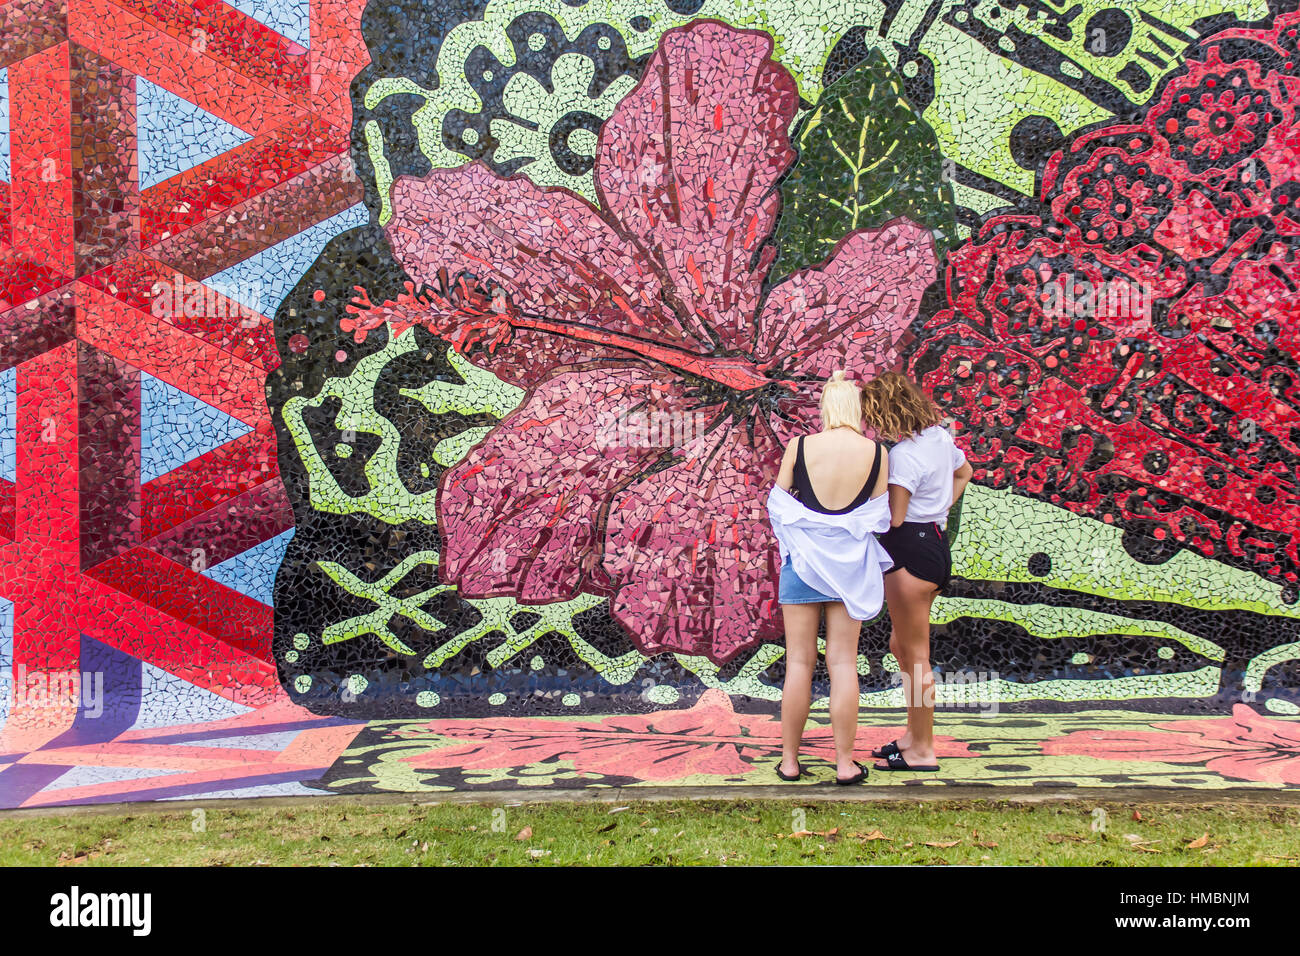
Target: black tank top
(804, 492)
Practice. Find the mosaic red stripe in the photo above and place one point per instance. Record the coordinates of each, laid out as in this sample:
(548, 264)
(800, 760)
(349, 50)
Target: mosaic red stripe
(30, 26)
(187, 596)
(220, 321)
(238, 41)
(147, 51)
(233, 177)
(208, 481)
(258, 223)
(40, 109)
(231, 527)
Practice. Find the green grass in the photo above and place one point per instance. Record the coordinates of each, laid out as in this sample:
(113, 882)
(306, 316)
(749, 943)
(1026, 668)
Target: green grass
(741, 832)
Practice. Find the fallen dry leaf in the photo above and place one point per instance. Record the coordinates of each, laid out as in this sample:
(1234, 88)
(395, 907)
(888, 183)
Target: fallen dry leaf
(873, 835)
(524, 834)
(943, 845)
(1137, 814)
(1197, 844)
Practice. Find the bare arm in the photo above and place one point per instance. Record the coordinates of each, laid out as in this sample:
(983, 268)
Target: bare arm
(785, 477)
(960, 479)
(899, 498)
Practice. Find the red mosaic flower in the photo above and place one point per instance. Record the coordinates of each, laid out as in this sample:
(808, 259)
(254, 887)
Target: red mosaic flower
(1121, 208)
(1223, 124)
(1163, 396)
(651, 306)
(1219, 113)
(709, 738)
(1245, 746)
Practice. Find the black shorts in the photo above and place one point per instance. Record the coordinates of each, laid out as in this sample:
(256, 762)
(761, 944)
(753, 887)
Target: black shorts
(921, 548)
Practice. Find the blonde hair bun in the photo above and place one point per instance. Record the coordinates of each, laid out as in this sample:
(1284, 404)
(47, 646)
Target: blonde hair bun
(841, 402)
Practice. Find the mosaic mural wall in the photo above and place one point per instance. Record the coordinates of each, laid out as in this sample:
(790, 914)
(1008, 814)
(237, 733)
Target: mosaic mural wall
(528, 412)
(432, 358)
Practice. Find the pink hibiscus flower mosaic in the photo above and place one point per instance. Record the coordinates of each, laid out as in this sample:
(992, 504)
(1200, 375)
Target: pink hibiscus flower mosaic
(652, 306)
(1245, 746)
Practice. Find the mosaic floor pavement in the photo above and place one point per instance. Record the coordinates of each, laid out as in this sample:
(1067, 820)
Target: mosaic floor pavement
(281, 750)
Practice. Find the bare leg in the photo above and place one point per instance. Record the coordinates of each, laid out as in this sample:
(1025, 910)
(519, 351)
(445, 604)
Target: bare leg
(842, 634)
(801, 622)
(899, 650)
(909, 600)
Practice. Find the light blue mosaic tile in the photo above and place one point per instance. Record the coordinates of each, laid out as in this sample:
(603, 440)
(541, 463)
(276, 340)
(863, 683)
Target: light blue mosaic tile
(5, 174)
(252, 572)
(176, 135)
(273, 741)
(289, 18)
(176, 427)
(166, 700)
(6, 657)
(8, 423)
(262, 281)
(94, 775)
(290, 789)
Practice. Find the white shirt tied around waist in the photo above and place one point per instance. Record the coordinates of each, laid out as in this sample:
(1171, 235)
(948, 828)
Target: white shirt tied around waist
(837, 554)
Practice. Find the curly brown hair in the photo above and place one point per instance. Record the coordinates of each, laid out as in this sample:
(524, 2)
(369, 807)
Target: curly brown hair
(896, 407)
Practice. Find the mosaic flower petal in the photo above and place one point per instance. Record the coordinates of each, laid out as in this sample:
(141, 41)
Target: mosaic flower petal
(687, 164)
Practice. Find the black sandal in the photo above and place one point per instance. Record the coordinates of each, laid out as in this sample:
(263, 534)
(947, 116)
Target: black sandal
(889, 748)
(784, 777)
(895, 761)
(856, 778)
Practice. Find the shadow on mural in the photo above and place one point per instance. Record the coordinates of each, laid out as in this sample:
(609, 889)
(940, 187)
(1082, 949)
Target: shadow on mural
(382, 381)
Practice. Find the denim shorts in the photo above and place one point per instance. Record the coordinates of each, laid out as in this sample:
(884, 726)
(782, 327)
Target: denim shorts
(793, 590)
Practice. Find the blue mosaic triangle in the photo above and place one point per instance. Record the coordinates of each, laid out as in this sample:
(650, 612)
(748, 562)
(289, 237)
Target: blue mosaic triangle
(252, 572)
(176, 135)
(8, 423)
(176, 427)
(289, 18)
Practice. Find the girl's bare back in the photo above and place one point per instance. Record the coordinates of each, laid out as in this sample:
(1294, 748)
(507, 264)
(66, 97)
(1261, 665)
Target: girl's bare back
(839, 463)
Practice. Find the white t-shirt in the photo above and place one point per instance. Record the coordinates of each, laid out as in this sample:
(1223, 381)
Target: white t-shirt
(923, 464)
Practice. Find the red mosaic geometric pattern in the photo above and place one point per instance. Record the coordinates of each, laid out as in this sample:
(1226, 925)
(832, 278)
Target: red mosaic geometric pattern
(85, 546)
